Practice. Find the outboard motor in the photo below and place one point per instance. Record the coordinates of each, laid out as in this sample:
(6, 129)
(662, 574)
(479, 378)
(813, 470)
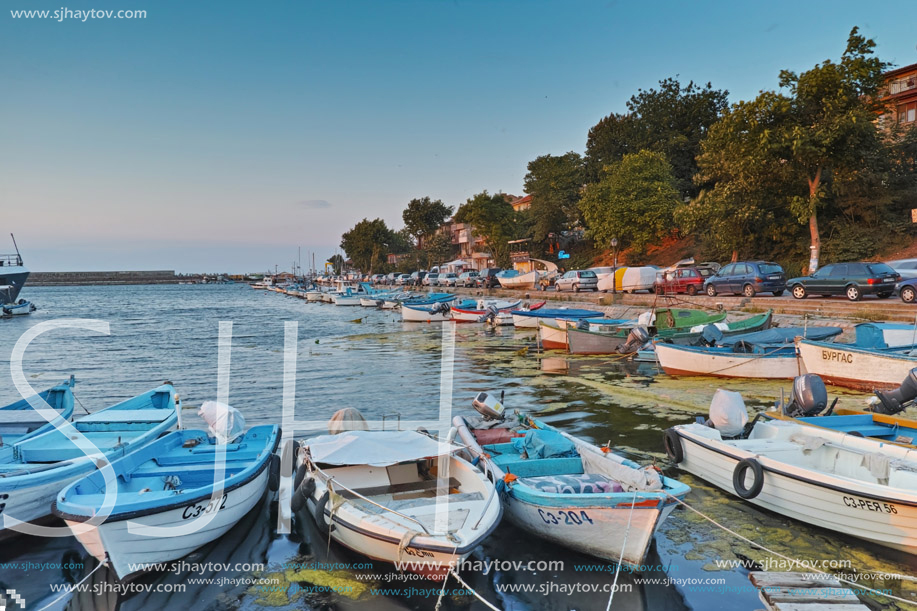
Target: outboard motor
(636, 339)
(810, 397)
(711, 335)
(488, 406)
(894, 401)
(441, 308)
(490, 316)
(582, 324)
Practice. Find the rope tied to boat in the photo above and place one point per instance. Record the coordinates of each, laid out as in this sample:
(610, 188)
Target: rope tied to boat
(795, 561)
(442, 592)
(72, 589)
(633, 503)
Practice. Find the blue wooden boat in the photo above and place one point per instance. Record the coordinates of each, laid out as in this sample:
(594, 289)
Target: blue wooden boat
(571, 492)
(529, 318)
(20, 420)
(171, 482)
(40, 466)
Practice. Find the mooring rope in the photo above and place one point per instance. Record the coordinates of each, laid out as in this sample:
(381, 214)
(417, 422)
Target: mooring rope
(794, 561)
(630, 516)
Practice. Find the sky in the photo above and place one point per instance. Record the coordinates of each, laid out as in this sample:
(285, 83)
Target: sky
(233, 136)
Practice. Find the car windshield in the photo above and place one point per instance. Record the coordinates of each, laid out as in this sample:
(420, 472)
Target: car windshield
(770, 268)
(587, 274)
(880, 269)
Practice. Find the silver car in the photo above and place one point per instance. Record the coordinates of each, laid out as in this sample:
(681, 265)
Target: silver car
(906, 268)
(577, 280)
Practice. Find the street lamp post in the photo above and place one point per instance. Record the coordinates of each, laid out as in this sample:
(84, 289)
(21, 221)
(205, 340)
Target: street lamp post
(614, 269)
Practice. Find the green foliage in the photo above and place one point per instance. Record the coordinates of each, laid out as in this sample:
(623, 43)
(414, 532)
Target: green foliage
(494, 221)
(368, 243)
(672, 120)
(424, 216)
(337, 263)
(438, 249)
(555, 184)
(633, 201)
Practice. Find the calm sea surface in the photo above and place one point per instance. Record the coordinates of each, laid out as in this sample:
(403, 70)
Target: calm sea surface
(370, 360)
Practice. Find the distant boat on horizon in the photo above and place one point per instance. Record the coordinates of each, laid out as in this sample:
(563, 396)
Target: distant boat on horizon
(13, 275)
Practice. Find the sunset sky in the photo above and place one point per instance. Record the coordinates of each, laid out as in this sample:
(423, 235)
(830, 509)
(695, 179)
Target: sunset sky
(221, 136)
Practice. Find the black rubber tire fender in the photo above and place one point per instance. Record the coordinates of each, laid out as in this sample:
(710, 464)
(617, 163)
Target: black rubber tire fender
(301, 494)
(319, 513)
(273, 478)
(738, 478)
(672, 442)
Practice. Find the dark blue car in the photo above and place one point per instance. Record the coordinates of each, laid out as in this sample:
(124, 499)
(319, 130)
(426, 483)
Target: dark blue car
(907, 290)
(747, 278)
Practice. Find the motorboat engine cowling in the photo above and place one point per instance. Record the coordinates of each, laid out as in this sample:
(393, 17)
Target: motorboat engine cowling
(894, 401)
(636, 339)
(711, 335)
(488, 406)
(810, 397)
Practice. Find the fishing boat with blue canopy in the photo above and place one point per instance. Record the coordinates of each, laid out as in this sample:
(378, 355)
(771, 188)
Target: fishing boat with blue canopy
(529, 318)
(38, 467)
(21, 420)
(213, 478)
(567, 490)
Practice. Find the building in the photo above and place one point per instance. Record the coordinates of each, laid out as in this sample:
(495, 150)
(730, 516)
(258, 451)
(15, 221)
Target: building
(900, 96)
(521, 203)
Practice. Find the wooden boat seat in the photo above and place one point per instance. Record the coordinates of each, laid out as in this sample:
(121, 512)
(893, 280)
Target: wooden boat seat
(127, 415)
(534, 467)
(419, 486)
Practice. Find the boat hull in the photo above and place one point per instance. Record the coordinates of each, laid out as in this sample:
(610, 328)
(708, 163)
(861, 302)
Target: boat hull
(12, 279)
(854, 368)
(522, 281)
(827, 502)
(685, 361)
(551, 337)
(587, 342)
(128, 550)
(412, 314)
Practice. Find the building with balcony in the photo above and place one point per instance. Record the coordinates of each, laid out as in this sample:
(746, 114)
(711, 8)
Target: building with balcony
(900, 96)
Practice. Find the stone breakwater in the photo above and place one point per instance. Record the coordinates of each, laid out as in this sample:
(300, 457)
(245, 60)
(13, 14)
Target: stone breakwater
(107, 278)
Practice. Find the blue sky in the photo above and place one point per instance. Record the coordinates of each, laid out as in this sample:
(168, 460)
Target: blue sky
(216, 136)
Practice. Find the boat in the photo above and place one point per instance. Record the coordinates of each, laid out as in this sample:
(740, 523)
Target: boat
(171, 482)
(314, 295)
(851, 366)
(566, 490)
(347, 298)
(41, 466)
(552, 337)
(511, 279)
(768, 354)
(13, 275)
(437, 312)
(856, 486)
(529, 318)
(482, 308)
(583, 341)
(389, 503)
(21, 420)
(885, 335)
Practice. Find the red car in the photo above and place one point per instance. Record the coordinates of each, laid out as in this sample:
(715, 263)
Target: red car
(689, 279)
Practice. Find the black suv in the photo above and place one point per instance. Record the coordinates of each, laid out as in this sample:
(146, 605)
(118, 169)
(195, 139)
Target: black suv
(851, 279)
(488, 278)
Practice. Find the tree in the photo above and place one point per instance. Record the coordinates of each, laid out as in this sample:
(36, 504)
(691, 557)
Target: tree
(833, 128)
(367, 244)
(494, 221)
(438, 248)
(672, 120)
(555, 184)
(424, 216)
(633, 201)
(337, 264)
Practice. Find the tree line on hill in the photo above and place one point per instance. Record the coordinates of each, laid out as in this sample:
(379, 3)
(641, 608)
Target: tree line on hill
(806, 173)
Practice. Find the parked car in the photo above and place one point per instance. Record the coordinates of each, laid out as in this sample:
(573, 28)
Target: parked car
(488, 278)
(688, 279)
(747, 278)
(447, 279)
(417, 278)
(853, 279)
(907, 290)
(906, 268)
(402, 279)
(639, 279)
(577, 280)
(431, 279)
(377, 278)
(467, 279)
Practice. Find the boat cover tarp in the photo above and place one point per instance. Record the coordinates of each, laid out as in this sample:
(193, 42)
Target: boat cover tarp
(226, 423)
(781, 335)
(544, 444)
(375, 448)
(559, 313)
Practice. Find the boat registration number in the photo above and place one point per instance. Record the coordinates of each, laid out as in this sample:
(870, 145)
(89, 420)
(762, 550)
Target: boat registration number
(855, 503)
(564, 517)
(193, 511)
(834, 355)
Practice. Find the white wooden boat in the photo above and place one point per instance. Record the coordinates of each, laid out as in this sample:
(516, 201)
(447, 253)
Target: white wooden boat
(587, 498)
(520, 281)
(438, 312)
(482, 308)
(389, 502)
(170, 483)
(552, 337)
(40, 466)
(853, 367)
(772, 362)
(314, 295)
(852, 485)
